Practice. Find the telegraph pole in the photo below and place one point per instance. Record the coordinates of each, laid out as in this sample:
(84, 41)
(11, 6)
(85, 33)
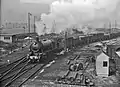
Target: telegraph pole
(65, 41)
(24, 29)
(0, 13)
(53, 27)
(110, 27)
(34, 24)
(104, 26)
(29, 14)
(115, 24)
(0, 18)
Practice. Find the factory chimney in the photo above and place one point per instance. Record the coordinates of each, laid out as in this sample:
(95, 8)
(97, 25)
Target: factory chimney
(115, 24)
(110, 27)
(0, 11)
(0, 18)
(53, 27)
(65, 41)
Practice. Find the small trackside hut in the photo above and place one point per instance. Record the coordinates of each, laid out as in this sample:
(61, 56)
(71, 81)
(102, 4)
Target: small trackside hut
(102, 65)
(105, 65)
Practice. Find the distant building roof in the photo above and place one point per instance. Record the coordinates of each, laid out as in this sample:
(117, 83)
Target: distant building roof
(13, 31)
(103, 55)
(6, 34)
(108, 30)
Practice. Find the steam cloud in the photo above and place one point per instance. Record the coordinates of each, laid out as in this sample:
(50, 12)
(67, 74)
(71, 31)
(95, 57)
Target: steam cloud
(67, 13)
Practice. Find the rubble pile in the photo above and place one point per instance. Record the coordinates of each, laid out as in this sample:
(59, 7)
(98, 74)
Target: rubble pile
(107, 81)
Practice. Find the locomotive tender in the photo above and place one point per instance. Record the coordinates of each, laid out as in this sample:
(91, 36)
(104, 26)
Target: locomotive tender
(40, 49)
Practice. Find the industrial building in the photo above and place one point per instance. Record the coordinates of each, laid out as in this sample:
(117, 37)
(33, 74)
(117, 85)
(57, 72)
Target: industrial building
(9, 38)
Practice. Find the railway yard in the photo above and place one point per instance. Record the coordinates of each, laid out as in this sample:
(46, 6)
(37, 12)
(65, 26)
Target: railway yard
(59, 43)
(59, 71)
(59, 75)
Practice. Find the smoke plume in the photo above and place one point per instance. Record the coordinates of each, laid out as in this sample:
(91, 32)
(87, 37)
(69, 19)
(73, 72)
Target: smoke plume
(67, 13)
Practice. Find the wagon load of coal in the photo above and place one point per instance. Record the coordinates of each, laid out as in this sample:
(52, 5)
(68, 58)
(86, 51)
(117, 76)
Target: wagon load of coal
(106, 81)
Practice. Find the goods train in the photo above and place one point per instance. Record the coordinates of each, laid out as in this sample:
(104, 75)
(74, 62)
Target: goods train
(41, 49)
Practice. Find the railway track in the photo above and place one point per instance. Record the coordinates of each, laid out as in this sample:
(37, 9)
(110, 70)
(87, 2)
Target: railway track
(8, 70)
(21, 69)
(18, 70)
(16, 58)
(18, 75)
(6, 67)
(28, 73)
(13, 56)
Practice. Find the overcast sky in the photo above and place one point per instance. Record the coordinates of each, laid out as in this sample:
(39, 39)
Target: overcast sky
(37, 1)
(16, 10)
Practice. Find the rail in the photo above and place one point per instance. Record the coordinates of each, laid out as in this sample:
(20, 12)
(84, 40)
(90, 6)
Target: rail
(19, 74)
(9, 70)
(12, 62)
(25, 70)
(33, 74)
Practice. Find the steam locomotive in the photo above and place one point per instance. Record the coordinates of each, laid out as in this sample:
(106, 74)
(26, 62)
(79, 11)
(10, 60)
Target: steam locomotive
(41, 49)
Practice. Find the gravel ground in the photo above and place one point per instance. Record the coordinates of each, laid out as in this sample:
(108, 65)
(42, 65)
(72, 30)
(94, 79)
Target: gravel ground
(52, 72)
(60, 64)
